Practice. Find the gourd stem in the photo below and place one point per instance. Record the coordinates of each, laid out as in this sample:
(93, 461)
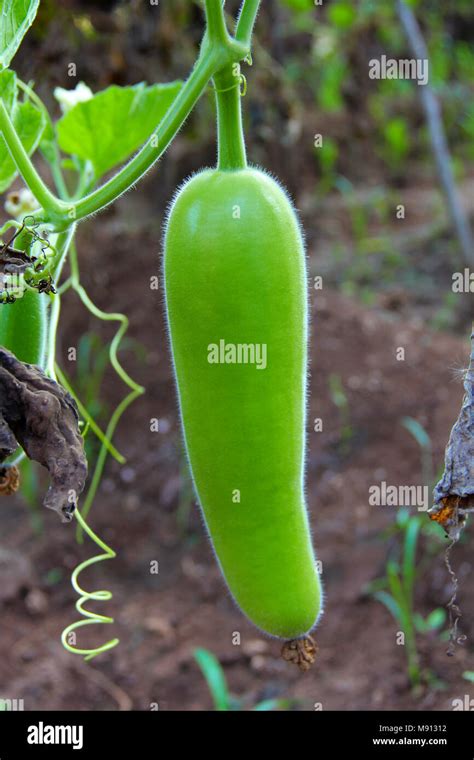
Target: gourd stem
(215, 20)
(246, 21)
(231, 142)
(43, 195)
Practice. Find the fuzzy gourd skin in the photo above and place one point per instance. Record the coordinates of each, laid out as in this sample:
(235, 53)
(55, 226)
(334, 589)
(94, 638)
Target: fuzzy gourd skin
(23, 327)
(235, 271)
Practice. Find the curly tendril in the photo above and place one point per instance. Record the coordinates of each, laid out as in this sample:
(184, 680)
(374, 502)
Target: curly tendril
(136, 390)
(107, 447)
(241, 83)
(89, 618)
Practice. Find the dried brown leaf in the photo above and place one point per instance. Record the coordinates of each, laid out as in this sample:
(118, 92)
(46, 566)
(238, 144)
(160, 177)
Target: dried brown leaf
(43, 419)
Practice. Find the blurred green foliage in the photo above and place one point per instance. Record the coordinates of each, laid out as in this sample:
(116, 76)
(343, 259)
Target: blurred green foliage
(346, 35)
(396, 589)
(376, 129)
(222, 699)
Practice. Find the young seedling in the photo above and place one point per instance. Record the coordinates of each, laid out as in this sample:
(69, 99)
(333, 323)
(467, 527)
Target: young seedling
(396, 592)
(217, 684)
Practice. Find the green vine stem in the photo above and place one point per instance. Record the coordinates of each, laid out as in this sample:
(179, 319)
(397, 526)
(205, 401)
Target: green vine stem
(246, 22)
(56, 162)
(101, 459)
(218, 49)
(158, 143)
(63, 379)
(89, 618)
(215, 22)
(136, 390)
(231, 141)
(43, 195)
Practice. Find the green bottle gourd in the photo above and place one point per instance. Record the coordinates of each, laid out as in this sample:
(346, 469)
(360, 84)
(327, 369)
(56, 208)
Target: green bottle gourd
(235, 275)
(23, 327)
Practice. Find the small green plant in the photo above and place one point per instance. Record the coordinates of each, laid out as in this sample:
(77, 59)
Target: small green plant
(396, 591)
(397, 141)
(217, 684)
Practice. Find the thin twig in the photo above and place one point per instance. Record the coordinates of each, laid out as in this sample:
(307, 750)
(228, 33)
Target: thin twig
(454, 611)
(439, 143)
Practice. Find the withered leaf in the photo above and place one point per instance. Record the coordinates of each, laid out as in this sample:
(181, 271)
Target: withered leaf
(13, 261)
(42, 417)
(458, 477)
(8, 443)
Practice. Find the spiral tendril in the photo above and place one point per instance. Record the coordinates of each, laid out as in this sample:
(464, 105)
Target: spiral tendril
(90, 618)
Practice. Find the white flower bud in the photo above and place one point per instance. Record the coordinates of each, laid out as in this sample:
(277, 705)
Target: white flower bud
(19, 203)
(67, 99)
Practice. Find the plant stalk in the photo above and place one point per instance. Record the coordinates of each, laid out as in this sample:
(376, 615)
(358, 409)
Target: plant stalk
(218, 50)
(52, 205)
(231, 141)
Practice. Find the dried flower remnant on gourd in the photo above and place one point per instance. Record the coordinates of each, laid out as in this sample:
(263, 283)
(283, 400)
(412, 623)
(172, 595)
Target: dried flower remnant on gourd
(9, 480)
(302, 652)
(40, 416)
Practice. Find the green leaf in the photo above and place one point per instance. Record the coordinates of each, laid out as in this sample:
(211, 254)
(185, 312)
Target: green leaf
(15, 20)
(215, 678)
(28, 121)
(69, 164)
(272, 704)
(107, 129)
(299, 5)
(8, 88)
(394, 582)
(403, 516)
(409, 557)
(29, 124)
(420, 623)
(436, 619)
(378, 584)
(468, 675)
(389, 602)
(48, 146)
(336, 390)
(333, 75)
(342, 14)
(418, 432)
